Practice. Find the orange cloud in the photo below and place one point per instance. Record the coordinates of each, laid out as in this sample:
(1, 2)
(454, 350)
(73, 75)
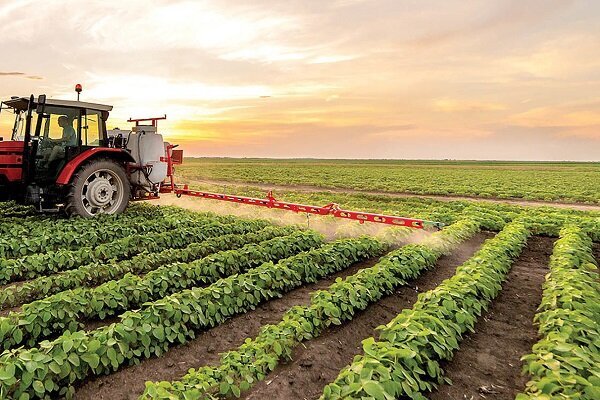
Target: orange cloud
(549, 117)
(457, 105)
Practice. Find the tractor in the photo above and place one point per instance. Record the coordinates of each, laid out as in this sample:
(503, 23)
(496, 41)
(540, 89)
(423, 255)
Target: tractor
(60, 156)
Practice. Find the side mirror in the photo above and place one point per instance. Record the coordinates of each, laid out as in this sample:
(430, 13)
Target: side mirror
(41, 104)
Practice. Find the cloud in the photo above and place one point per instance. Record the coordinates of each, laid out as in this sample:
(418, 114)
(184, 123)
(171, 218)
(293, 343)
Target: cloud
(565, 57)
(332, 59)
(579, 113)
(21, 74)
(491, 19)
(456, 105)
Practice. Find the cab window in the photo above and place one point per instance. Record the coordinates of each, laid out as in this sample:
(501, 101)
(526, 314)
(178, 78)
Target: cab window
(60, 124)
(91, 128)
(21, 123)
(62, 127)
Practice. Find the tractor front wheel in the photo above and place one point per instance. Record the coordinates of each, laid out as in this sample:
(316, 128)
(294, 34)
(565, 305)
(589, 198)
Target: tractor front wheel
(99, 187)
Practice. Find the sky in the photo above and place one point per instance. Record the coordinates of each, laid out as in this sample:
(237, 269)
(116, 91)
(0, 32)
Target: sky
(416, 79)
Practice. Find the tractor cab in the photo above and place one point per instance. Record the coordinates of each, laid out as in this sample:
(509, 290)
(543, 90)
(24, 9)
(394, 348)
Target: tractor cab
(57, 131)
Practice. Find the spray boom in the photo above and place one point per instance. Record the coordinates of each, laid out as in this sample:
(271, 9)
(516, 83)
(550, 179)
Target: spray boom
(332, 209)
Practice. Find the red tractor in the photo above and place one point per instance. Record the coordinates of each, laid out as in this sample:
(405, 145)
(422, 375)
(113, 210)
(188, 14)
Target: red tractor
(60, 156)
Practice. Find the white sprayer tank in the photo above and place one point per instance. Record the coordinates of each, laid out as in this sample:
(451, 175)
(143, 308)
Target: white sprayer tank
(147, 148)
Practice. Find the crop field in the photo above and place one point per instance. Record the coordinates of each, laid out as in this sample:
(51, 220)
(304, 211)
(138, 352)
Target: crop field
(218, 301)
(552, 182)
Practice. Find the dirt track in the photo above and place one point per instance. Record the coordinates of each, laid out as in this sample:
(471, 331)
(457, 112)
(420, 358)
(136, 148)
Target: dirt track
(306, 188)
(488, 361)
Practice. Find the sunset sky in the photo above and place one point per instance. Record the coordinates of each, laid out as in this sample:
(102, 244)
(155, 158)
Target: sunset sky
(495, 79)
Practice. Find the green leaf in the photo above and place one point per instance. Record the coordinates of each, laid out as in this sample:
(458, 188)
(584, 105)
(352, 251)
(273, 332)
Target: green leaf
(92, 359)
(159, 333)
(54, 367)
(405, 353)
(374, 389)
(39, 388)
(73, 359)
(224, 388)
(7, 372)
(67, 345)
(17, 336)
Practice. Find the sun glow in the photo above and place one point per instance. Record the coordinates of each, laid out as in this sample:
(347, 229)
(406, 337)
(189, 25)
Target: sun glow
(286, 78)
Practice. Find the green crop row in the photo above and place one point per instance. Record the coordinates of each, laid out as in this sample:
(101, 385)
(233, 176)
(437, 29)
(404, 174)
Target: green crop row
(405, 361)
(565, 363)
(177, 245)
(50, 370)
(65, 234)
(33, 225)
(16, 245)
(10, 225)
(11, 209)
(36, 265)
(65, 310)
(8, 205)
(253, 360)
(550, 224)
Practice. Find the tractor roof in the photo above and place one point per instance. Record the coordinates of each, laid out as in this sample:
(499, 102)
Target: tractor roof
(20, 103)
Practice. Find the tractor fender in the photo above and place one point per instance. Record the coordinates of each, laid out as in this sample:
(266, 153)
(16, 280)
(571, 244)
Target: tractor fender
(67, 172)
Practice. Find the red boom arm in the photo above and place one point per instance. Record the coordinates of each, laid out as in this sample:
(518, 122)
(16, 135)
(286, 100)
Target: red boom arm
(330, 209)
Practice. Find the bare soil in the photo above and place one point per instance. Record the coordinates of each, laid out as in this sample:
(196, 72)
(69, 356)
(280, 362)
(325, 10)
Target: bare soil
(128, 383)
(4, 312)
(488, 363)
(319, 361)
(15, 284)
(309, 188)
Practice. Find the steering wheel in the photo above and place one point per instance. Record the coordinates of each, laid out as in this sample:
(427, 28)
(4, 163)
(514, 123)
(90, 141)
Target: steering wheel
(45, 143)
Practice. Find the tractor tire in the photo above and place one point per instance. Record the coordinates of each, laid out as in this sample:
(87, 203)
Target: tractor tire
(98, 187)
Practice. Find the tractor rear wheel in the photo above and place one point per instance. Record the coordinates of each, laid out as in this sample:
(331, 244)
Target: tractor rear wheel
(99, 187)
